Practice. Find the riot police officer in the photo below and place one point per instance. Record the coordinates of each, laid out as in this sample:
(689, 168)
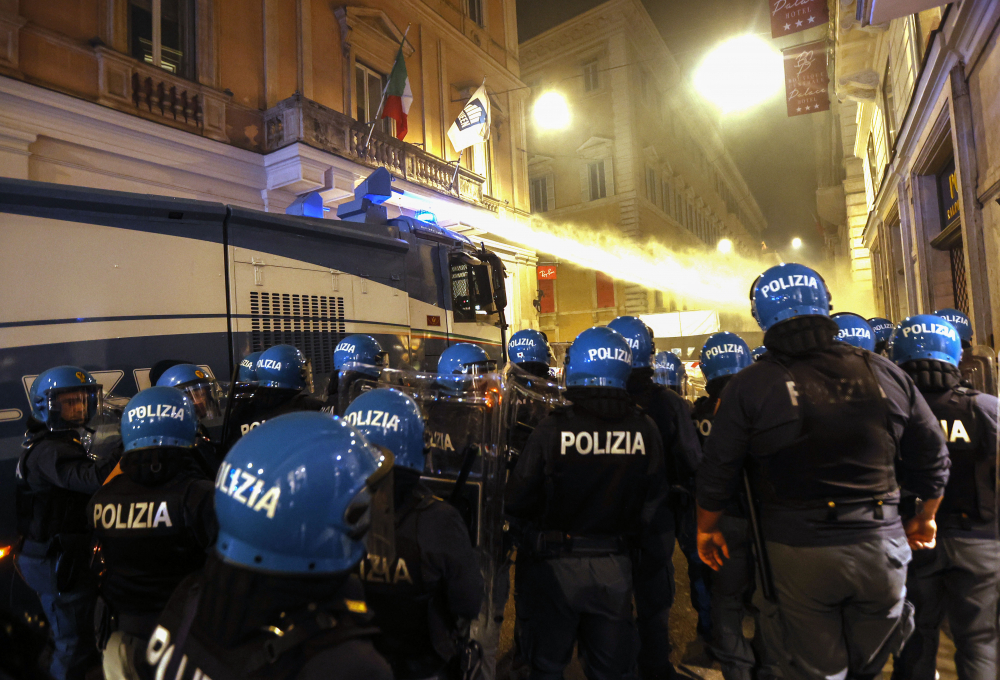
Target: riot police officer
(55, 479)
(960, 321)
(669, 371)
(205, 395)
(654, 579)
(854, 330)
(723, 356)
(295, 499)
(457, 422)
(821, 424)
(364, 356)
(153, 523)
(590, 482)
(882, 330)
(425, 598)
(283, 386)
(960, 576)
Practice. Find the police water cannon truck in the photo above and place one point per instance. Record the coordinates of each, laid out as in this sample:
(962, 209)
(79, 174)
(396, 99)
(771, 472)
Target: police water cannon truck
(115, 282)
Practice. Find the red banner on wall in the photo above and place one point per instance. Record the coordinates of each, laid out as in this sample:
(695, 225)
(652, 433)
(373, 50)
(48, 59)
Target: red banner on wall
(547, 272)
(792, 16)
(806, 79)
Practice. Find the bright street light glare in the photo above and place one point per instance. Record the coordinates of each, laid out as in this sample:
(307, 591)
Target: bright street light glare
(551, 111)
(796, 243)
(725, 246)
(739, 73)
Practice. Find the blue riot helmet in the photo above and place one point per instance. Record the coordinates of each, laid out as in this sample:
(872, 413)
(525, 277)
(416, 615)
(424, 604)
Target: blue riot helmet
(282, 367)
(668, 370)
(724, 354)
(638, 337)
(247, 373)
(464, 358)
(882, 329)
(529, 346)
(758, 352)
(64, 398)
(159, 416)
(201, 388)
(960, 321)
(599, 357)
(297, 495)
(358, 349)
(854, 330)
(926, 336)
(788, 291)
(392, 420)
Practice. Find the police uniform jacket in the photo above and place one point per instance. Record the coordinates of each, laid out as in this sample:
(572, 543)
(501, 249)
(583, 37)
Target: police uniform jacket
(264, 404)
(229, 623)
(820, 431)
(672, 415)
(55, 479)
(433, 582)
(969, 422)
(594, 469)
(153, 530)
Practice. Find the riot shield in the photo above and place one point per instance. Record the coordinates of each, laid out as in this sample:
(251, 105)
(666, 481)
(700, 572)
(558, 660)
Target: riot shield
(527, 400)
(352, 380)
(978, 368)
(103, 438)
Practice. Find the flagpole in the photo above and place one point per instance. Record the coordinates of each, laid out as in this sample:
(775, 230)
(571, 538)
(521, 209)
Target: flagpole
(458, 163)
(381, 104)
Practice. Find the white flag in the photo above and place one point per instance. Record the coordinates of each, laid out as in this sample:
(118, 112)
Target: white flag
(473, 124)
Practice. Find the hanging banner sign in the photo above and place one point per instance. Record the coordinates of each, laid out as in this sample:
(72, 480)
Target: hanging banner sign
(546, 272)
(807, 82)
(792, 16)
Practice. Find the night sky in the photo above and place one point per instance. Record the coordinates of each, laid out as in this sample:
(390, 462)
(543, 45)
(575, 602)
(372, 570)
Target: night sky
(775, 154)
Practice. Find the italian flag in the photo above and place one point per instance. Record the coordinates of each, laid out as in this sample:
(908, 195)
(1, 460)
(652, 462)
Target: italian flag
(398, 96)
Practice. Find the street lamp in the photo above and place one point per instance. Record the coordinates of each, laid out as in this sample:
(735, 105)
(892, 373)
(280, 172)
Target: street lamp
(796, 243)
(739, 73)
(551, 111)
(725, 246)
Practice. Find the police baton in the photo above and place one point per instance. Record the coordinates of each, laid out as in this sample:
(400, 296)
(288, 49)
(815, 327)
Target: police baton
(760, 549)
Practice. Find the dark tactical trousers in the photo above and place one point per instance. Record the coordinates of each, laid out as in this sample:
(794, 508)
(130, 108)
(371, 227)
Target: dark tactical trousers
(959, 578)
(841, 609)
(585, 601)
(70, 615)
(732, 589)
(655, 589)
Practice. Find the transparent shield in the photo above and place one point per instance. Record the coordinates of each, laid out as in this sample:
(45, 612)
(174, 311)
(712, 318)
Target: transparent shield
(527, 400)
(103, 437)
(978, 368)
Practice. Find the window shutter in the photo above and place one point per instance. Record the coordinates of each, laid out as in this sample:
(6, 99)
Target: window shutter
(550, 192)
(609, 175)
(605, 290)
(585, 181)
(548, 301)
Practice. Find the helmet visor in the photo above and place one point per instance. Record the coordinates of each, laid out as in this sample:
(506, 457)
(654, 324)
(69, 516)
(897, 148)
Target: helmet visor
(381, 537)
(206, 395)
(73, 407)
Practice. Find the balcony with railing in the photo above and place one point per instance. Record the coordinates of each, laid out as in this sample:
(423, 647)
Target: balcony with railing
(142, 89)
(298, 119)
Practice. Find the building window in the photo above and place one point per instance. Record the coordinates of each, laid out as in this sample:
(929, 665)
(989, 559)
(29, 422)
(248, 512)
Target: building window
(476, 11)
(597, 180)
(161, 33)
(539, 194)
(871, 163)
(605, 290)
(668, 197)
(369, 84)
(591, 77)
(547, 303)
(889, 105)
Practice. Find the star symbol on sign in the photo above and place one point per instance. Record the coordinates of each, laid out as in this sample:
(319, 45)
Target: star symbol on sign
(812, 20)
(799, 109)
(799, 22)
(787, 26)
